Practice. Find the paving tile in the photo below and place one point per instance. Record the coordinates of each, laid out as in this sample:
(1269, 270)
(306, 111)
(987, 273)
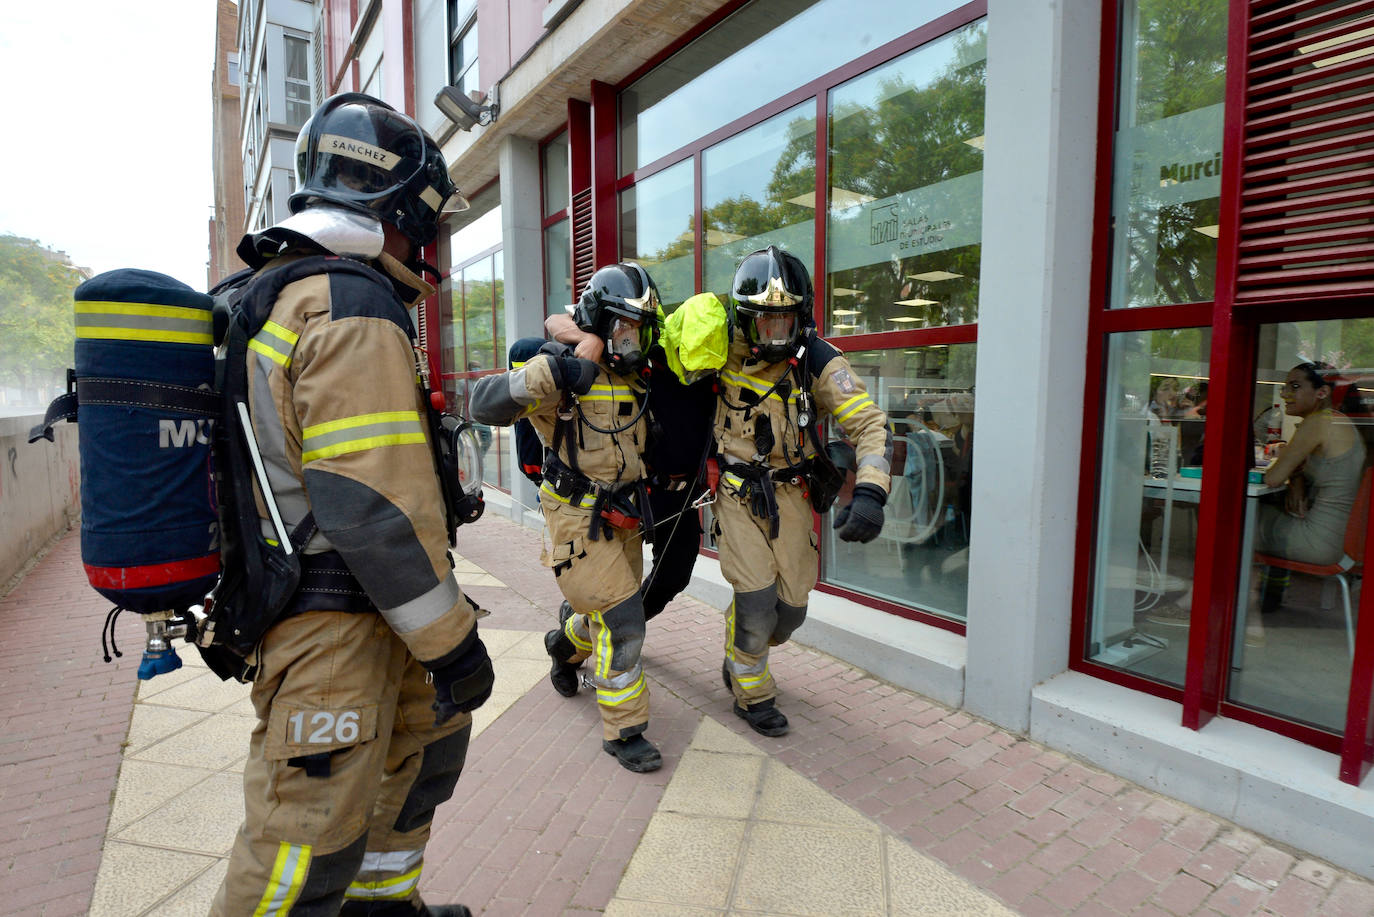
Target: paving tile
(919, 887)
(131, 882)
(202, 819)
(684, 860)
(806, 869)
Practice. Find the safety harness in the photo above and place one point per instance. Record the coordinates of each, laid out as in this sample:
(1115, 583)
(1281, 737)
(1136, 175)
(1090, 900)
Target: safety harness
(612, 506)
(817, 475)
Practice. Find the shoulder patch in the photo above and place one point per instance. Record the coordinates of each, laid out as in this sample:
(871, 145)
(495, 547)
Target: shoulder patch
(354, 294)
(819, 353)
(843, 381)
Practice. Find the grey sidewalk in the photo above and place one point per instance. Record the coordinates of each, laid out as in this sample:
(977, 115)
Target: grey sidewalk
(879, 801)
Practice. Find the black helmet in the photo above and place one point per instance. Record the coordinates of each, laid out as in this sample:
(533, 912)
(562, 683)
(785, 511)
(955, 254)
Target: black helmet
(621, 291)
(772, 282)
(360, 153)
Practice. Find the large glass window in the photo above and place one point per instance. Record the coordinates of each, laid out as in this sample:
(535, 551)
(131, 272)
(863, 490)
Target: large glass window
(1166, 181)
(558, 290)
(757, 189)
(1155, 414)
(671, 106)
(657, 230)
(921, 556)
(555, 174)
(1307, 505)
(297, 80)
(462, 54)
(906, 190)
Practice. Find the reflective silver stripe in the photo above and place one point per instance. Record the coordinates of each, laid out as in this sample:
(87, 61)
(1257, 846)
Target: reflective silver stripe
(286, 487)
(519, 391)
(876, 461)
(143, 322)
(425, 609)
(276, 343)
(622, 681)
(360, 433)
(392, 861)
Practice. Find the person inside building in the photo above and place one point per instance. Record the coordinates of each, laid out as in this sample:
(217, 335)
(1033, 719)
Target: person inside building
(778, 381)
(591, 416)
(679, 442)
(366, 683)
(1319, 469)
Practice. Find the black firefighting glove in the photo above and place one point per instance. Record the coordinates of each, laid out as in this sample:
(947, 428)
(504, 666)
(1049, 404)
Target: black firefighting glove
(862, 519)
(462, 680)
(573, 374)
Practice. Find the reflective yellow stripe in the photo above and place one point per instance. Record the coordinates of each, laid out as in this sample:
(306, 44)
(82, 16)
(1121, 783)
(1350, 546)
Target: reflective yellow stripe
(587, 501)
(127, 321)
(608, 393)
(275, 342)
(360, 433)
(284, 886)
(603, 647)
(616, 698)
(852, 407)
(582, 645)
(758, 386)
(392, 887)
(752, 681)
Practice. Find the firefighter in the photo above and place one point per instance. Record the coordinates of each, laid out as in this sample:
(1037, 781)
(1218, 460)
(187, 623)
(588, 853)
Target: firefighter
(591, 417)
(779, 379)
(353, 747)
(680, 412)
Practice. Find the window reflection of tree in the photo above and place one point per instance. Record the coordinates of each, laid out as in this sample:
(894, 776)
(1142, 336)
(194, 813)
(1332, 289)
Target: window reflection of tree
(1179, 66)
(912, 138)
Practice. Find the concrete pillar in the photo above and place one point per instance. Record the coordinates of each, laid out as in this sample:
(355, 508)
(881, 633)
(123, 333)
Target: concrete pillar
(523, 257)
(1038, 179)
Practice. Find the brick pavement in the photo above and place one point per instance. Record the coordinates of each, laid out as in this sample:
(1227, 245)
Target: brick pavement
(545, 823)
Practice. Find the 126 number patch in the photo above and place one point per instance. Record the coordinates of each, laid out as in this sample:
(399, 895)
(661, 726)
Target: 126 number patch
(323, 728)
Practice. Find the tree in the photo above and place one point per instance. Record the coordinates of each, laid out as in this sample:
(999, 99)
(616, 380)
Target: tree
(37, 327)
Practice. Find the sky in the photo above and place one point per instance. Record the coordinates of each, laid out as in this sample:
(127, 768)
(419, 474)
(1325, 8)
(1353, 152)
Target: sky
(106, 131)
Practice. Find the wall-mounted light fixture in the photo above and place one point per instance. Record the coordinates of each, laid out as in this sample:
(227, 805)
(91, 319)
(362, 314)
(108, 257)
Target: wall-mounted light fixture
(464, 111)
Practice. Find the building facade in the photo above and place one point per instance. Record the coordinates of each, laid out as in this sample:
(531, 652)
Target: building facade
(277, 96)
(226, 226)
(1101, 233)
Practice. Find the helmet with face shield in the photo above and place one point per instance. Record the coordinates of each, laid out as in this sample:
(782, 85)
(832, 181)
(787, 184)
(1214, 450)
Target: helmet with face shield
(772, 297)
(360, 153)
(620, 305)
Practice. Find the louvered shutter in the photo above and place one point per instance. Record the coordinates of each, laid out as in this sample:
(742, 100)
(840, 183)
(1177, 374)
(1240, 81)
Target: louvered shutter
(1306, 222)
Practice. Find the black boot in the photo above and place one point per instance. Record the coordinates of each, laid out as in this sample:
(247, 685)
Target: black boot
(725, 674)
(565, 612)
(635, 753)
(563, 675)
(764, 718)
(407, 908)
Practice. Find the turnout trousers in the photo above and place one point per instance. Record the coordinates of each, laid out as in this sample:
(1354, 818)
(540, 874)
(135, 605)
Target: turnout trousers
(600, 580)
(344, 771)
(771, 578)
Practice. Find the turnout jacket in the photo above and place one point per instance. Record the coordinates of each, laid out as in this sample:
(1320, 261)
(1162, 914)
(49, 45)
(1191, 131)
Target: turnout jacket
(529, 392)
(343, 432)
(749, 398)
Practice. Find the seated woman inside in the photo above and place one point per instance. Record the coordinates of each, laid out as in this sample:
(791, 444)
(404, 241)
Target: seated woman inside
(1321, 466)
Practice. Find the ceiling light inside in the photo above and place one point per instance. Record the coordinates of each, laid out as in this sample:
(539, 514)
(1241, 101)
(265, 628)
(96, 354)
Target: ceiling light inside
(907, 318)
(1338, 40)
(1214, 230)
(975, 142)
(845, 312)
(844, 291)
(916, 302)
(840, 199)
(932, 276)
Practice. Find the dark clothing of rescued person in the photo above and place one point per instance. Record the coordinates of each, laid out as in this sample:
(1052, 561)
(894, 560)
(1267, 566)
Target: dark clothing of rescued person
(353, 748)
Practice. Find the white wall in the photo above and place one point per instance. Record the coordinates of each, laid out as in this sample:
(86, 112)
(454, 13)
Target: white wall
(39, 489)
(1041, 131)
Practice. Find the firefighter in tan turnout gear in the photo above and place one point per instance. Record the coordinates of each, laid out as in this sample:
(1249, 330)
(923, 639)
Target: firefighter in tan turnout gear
(591, 416)
(354, 747)
(778, 381)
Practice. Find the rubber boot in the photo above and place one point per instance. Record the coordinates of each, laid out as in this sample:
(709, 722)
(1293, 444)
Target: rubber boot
(635, 753)
(562, 675)
(565, 611)
(725, 674)
(407, 908)
(764, 718)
